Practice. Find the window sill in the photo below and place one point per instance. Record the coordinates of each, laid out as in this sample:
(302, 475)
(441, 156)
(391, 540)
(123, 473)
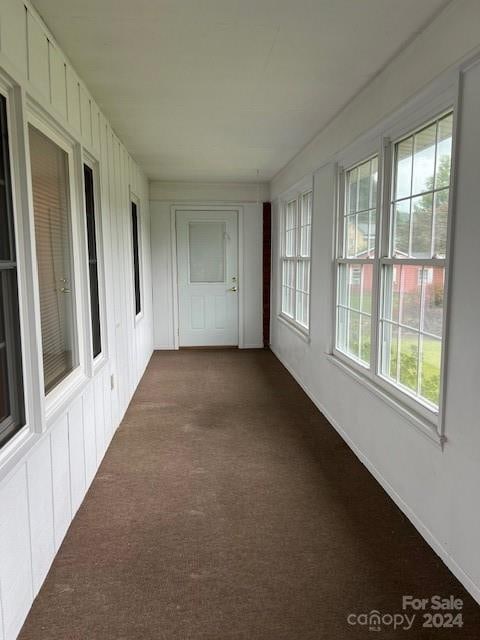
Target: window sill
(98, 363)
(300, 331)
(427, 427)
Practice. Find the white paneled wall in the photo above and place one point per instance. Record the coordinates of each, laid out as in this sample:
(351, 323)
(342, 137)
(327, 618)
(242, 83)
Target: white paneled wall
(42, 490)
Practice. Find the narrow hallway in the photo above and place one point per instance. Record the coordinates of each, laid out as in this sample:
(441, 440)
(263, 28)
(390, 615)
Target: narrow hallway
(227, 507)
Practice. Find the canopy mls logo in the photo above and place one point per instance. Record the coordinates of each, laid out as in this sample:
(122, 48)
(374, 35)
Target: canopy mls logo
(434, 612)
(376, 621)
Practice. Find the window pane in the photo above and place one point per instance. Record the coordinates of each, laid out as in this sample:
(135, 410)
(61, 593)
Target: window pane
(302, 309)
(306, 225)
(403, 162)
(51, 203)
(355, 286)
(353, 335)
(288, 287)
(444, 152)
(360, 215)
(92, 260)
(350, 234)
(136, 258)
(432, 300)
(367, 289)
(342, 329)
(401, 237)
(290, 242)
(365, 339)
(4, 383)
(207, 251)
(390, 350)
(408, 353)
(305, 239)
(402, 292)
(4, 222)
(303, 289)
(430, 364)
(362, 234)
(372, 233)
(364, 187)
(422, 215)
(306, 208)
(352, 183)
(303, 276)
(291, 215)
(441, 223)
(410, 290)
(373, 182)
(354, 309)
(424, 159)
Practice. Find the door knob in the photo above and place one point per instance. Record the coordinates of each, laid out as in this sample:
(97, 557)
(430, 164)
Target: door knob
(233, 289)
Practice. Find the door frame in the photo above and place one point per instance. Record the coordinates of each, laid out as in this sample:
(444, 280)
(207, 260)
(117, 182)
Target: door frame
(235, 208)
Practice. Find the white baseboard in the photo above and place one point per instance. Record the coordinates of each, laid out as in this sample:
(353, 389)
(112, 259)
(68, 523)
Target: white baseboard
(424, 531)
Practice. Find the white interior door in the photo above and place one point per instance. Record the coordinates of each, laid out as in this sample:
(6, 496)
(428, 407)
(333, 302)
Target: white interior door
(207, 269)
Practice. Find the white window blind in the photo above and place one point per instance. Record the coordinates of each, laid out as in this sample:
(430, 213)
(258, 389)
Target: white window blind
(51, 203)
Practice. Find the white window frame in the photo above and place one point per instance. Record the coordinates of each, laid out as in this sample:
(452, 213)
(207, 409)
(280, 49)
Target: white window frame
(54, 402)
(94, 364)
(21, 441)
(357, 159)
(415, 116)
(296, 195)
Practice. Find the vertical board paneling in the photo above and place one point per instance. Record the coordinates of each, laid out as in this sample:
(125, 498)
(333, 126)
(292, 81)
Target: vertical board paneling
(89, 434)
(73, 99)
(62, 509)
(107, 405)
(13, 33)
(95, 128)
(58, 80)
(99, 418)
(15, 556)
(77, 453)
(38, 67)
(39, 477)
(85, 116)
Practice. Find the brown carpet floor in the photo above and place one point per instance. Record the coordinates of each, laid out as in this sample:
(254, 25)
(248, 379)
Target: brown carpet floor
(228, 507)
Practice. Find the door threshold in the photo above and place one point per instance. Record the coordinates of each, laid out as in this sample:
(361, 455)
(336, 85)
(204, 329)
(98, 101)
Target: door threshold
(210, 347)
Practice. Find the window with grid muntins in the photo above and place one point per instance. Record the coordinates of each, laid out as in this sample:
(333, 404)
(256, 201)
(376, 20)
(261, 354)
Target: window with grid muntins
(413, 275)
(390, 299)
(295, 259)
(355, 263)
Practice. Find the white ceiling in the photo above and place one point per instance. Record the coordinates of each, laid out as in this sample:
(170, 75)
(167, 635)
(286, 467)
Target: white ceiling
(213, 90)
